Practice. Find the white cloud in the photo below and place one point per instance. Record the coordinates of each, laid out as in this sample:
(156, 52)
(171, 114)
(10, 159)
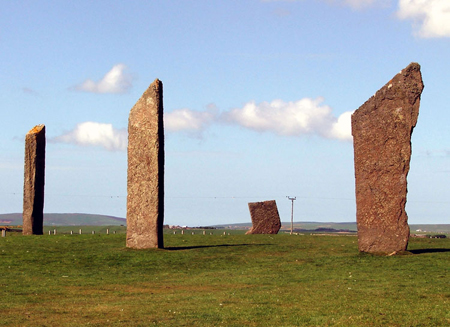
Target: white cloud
(431, 18)
(96, 134)
(303, 117)
(359, 4)
(29, 91)
(342, 127)
(117, 80)
(189, 120)
(281, 0)
(306, 116)
(355, 4)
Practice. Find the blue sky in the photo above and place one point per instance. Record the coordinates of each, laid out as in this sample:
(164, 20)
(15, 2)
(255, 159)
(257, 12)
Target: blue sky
(257, 98)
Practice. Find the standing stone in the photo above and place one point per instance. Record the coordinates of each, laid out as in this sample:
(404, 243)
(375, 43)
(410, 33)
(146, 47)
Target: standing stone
(265, 217)
(145, 200)
(381, 130)
(34, 180)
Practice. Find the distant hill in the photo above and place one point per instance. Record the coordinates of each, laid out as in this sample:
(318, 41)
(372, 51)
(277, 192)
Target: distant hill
(308, 225)
(431, 228)
(350, 226)
(66, 219)
(85, 219)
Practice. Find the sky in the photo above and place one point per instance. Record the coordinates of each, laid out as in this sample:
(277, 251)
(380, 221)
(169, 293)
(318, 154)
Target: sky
(258, 96)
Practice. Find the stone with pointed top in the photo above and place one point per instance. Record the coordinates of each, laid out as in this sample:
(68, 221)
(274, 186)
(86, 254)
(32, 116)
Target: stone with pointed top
(381, 130)
(34, 181)
(145, 181)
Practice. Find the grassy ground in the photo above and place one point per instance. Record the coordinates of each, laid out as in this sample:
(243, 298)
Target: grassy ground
(220, 280)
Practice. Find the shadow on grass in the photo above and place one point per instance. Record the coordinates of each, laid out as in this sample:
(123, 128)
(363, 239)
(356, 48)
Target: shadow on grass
(421, 251)
(175, 248)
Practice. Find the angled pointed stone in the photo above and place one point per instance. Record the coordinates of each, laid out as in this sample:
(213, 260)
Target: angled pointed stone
(381, 130)
(265, 217)
(145, 181)
(34, 180)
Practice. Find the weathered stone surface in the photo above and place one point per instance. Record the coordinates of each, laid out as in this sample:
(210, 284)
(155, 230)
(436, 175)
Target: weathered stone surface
(34, 181)
(265, 217)
(381, 130)
(145, 199)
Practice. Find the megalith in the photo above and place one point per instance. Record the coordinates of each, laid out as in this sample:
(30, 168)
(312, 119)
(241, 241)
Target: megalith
(381, 130)
(265, 217)
(145, 180)
(34, 180)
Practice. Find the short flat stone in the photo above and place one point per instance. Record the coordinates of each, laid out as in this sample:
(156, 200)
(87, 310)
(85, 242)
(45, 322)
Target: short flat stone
(381, 130)
(145, 180)
(265, 217)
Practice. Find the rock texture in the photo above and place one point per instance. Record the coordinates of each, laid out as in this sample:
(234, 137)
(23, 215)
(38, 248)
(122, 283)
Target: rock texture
(381, 130)
(145, 199)
(34, 181)
(265, 217)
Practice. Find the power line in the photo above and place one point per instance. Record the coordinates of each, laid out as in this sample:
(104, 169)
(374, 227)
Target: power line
(218, 197)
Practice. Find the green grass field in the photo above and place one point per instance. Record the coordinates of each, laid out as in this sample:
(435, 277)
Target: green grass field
(220, 280)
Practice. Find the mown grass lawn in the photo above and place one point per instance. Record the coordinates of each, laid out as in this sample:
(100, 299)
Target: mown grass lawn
(220, 280)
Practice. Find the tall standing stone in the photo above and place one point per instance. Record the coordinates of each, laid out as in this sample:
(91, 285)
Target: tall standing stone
(265, 217)
(145, 199)
(381, 130)
(34, 180)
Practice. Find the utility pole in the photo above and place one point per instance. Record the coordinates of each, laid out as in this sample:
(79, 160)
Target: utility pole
(292, 212)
